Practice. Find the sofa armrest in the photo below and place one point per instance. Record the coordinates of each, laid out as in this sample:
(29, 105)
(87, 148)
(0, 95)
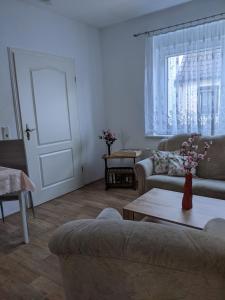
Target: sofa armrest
(216, 227)
(109, 214)
(143, 169)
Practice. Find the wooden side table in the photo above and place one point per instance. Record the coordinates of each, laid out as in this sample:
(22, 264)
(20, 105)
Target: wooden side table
(120, 176)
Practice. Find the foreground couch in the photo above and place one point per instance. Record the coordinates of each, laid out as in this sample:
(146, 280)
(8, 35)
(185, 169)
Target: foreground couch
(210, 180)
(112, 259)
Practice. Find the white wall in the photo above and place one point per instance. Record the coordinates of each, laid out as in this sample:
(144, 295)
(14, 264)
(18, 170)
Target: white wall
(27, 27)
(124, 67)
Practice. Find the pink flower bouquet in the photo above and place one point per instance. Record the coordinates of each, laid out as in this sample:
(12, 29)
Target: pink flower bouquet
(109, 138)
(191, 156)
(191, 159)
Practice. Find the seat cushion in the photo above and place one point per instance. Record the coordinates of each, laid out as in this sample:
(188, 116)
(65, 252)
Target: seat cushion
(165, 182)
(216, 227)
(202, 187)
(209, 188)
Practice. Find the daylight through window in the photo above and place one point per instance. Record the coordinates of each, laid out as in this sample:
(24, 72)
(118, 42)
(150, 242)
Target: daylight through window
(184, 83)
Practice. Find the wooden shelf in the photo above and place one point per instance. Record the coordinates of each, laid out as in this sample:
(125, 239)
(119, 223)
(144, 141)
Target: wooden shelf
(121, 176)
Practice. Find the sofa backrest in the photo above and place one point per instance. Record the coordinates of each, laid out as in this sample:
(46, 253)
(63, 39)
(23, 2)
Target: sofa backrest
(214, 166)
(115, 259)
(173, 143)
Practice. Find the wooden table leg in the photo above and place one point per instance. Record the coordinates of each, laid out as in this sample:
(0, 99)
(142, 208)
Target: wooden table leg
(128, 215)
(24, 217)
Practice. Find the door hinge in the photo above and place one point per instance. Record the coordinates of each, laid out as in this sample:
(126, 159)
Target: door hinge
(82, 169)
(75, 79)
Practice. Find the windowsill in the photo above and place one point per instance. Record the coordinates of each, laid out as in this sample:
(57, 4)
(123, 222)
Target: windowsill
(157, 136)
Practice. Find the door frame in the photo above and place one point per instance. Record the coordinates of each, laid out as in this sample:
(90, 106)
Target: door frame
(16, 101)
(15, 94)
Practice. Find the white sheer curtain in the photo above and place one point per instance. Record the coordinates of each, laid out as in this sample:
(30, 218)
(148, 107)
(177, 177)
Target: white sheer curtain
(185, 81)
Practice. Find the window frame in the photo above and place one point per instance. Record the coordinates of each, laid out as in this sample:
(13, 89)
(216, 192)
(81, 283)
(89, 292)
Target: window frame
(166, 53)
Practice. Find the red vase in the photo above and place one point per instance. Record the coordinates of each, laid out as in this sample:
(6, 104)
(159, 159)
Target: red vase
(187, 197)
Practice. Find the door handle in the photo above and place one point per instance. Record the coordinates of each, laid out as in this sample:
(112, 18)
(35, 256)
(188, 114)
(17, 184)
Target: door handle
(28, 131)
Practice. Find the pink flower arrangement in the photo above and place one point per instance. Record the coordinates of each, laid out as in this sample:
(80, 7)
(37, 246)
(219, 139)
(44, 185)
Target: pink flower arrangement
(189, 151)
(108, 136)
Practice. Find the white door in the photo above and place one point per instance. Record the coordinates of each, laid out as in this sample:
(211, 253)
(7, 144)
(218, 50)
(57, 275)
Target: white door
(46, 93)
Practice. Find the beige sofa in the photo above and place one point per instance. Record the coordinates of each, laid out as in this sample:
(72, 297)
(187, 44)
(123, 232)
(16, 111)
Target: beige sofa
(210, 180)
(112, 259)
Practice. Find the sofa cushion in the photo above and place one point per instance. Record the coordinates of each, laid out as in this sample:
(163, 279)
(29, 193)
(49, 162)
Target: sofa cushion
(174, 143)
(202, 187)
(162, 145)
(176, 166)
(214, 168)
(160, 162)
(209, 188)
(165, 182)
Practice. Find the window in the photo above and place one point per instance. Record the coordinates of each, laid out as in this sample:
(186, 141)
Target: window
(184, 81)
(208, 108)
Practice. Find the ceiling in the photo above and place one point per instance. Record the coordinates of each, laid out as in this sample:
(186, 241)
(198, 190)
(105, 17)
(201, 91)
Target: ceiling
(101, 13)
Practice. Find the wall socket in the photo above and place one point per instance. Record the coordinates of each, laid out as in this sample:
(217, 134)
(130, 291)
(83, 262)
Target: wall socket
(5, 133)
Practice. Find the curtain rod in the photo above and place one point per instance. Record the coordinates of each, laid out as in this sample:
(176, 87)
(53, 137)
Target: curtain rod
(178, 25)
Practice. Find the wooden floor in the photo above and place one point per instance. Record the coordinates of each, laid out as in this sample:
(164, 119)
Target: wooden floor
(30, 271)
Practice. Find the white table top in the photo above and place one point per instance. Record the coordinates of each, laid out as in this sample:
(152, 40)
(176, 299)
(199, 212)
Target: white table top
(13, 180)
